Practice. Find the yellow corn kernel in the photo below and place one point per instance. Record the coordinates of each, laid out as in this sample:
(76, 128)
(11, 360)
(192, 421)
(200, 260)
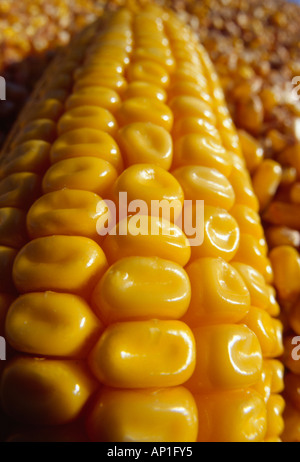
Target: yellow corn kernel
(228, 356)
(67, 212)
(235, 416)
(273, 307)
(51, 324)
(282, 235)
(242, 186)
(221, 235)
(19, 190)
(7, 257)
(195, 125)
(166, 414)
(250, 253)
(116, 82)
(248, 220)
(148, 71)
(291, 155)
(103, 97)
(194, 149)
(148, 183)
(12, 227)
(206, 184)
(285, 261)
(59, 263)
(31, 156)
(39, 129)
(145, 90)
(266, 180)
(283, 214)
(147, 236)
(187, 88)
(252, 150)
(140, 354)
(189, 106)
(276, 369)
(81, 173)
(141, 109)
(220, 298)
(262, 324)
(30, 386)
(255, 283)
(87, 117)
(146, 142)
(142, 288)
(89, 142)
(158, 55)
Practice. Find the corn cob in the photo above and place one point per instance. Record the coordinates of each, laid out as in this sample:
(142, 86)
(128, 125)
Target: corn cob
(110, 335)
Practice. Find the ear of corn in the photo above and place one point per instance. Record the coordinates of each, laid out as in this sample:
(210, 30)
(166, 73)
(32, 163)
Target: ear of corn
(134, 338)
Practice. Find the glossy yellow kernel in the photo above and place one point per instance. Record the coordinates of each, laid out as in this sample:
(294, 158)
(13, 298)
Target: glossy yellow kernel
(241, 184)
(31, 156)
(195, 149)
(263, 386)
(148, 183)
(114, 82)
(190, 106)
(142, 288)
(59, 263)
(47, 109)
(220, 298)
(107, 66)
(181, 88)
(283, 213)
(146, 142)
(235, 416)
(87, 142)
(87, 117)
(273, 307)
(228, 356)
(81, 173)
(162, 415)
(275, 407)
(248, 220)
(94, 96)
(145, 90)
(285, 261)
(7, 257)
(159, 55)
(255, 283)
(51, 324)
(203, 183)
(220, 234)
(276, 369)
(141, 109)
(19, 190)
(12, 227)
(266, 180)
(190, 74)
(195, 125)
(140, 354)
(66, 212)
(252, 151)
(148, 71)
(250, 253)
(39, 129)
(31, 386)
(147, 236)
(261, 323)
